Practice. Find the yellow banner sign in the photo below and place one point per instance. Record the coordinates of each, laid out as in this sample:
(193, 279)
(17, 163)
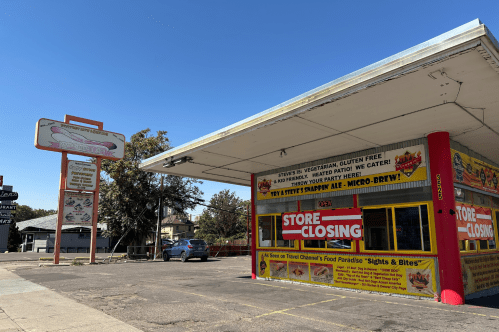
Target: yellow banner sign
(480, 273)
(474, 172)
(401, 275)
(345, 184)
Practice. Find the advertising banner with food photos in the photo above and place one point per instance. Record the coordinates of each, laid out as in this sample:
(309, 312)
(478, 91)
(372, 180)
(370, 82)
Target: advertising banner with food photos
(474, 173)
(480, 272)
(383, 168)
(78, 208)
(400, 275)
(474, 222)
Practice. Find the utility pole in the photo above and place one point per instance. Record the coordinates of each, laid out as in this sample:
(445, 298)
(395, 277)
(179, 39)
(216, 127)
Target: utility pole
(247, 225)
(158, 246)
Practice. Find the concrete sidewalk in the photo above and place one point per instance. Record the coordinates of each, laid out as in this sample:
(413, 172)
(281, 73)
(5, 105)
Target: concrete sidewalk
(34, 256)
(26, 306)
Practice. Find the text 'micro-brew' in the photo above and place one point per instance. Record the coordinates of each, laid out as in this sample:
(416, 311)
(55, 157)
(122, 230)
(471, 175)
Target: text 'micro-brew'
(339, 224)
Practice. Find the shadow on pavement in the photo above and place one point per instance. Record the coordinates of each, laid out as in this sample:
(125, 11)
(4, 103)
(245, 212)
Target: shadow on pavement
(489, 301)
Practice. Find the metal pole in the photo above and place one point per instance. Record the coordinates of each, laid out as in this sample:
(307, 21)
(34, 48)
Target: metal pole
(95, 215)
(158, 246)
(247, 225)
(62, 187)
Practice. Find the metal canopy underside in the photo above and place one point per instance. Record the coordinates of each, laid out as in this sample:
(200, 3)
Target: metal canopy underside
(450, 83)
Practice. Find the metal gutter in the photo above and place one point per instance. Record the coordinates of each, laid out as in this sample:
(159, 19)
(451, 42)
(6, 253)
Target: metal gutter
(469, 31)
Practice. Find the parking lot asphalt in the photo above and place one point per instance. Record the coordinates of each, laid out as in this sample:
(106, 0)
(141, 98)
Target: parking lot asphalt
(219, 295)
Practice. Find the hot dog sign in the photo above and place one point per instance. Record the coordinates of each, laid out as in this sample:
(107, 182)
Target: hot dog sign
(64, 137)
(339, 224)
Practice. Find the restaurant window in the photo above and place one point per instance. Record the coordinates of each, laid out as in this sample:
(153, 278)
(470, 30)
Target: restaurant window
(327, 244)
(397, 228)
(495, 203)
(463, 195)
(270, 233)
(412, 227)
(490, 244)
(483, 200)
(378, 229)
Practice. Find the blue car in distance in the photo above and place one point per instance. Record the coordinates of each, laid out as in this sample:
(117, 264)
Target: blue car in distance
(186, 249)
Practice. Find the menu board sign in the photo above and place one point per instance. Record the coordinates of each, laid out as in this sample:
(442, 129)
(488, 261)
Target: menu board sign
(401, 275)
(480, 272)
(81, 175)
(78, 208)
(383, 168)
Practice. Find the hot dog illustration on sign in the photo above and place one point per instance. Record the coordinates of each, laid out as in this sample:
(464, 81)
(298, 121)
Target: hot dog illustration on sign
(408, 163)
(340, 224)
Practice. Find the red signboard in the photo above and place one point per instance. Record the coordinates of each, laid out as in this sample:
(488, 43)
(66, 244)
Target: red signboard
(1, 180)
(474, 222)
(339, 224)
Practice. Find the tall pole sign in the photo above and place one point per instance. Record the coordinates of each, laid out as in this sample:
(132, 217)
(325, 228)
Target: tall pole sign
(6, 206)
(79, 181)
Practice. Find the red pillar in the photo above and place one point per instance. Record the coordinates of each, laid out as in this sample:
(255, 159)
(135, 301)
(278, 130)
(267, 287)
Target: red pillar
(60, 215)
(254, 231)
(444, 205)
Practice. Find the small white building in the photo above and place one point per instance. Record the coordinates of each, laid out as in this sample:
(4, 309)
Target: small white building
(39, 236)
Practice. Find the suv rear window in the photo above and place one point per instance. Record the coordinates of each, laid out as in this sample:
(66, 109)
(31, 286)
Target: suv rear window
(197, 242)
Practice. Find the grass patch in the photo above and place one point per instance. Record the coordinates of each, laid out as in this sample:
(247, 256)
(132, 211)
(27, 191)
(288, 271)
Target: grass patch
(76, 263)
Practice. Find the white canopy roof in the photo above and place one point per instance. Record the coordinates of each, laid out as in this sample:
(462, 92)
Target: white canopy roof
(449, 83)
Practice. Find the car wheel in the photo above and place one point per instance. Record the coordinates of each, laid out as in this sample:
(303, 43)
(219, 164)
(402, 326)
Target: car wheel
(204, 258)
(183, 257)
(166, 257)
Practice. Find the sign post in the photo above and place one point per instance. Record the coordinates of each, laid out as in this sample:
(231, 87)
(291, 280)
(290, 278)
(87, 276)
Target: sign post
(81, 177)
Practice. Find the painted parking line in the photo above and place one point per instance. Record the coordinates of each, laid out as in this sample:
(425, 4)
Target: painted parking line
(283, 311)
(370, 300)
(324, 321)
(301, 306)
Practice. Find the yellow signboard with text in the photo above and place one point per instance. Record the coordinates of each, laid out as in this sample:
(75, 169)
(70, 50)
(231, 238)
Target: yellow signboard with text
(480, 272)
(400, 275)
(379, 169)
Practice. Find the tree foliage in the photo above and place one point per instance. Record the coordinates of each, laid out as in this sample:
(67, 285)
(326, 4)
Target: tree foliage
(225, 219)
(126, 191)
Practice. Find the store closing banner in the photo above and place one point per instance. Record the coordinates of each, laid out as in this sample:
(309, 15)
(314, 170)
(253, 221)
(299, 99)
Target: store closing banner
(474, 222)
(339, 224)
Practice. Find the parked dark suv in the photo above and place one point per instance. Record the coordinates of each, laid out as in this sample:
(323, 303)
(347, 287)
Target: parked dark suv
(186, 249)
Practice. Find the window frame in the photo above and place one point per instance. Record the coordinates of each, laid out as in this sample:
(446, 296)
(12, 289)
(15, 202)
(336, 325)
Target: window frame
(273, 215)
(494, 213)
(392, 207)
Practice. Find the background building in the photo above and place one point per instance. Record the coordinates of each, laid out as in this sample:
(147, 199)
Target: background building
(175, 227)
(39, 236)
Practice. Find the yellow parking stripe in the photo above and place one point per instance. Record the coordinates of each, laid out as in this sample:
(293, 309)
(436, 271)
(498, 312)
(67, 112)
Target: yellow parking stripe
(324, 321)
(301, 306)
(364, 299)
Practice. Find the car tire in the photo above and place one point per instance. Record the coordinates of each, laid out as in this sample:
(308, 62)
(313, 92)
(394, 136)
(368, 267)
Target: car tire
(183, 257)
(166, 257)
(204, 258)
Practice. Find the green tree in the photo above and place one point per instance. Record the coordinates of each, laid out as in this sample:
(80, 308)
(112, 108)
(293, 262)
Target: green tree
(126, 191)
(225, 219)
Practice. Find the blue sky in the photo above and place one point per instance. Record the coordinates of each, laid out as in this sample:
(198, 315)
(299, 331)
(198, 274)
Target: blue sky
(187, 67)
